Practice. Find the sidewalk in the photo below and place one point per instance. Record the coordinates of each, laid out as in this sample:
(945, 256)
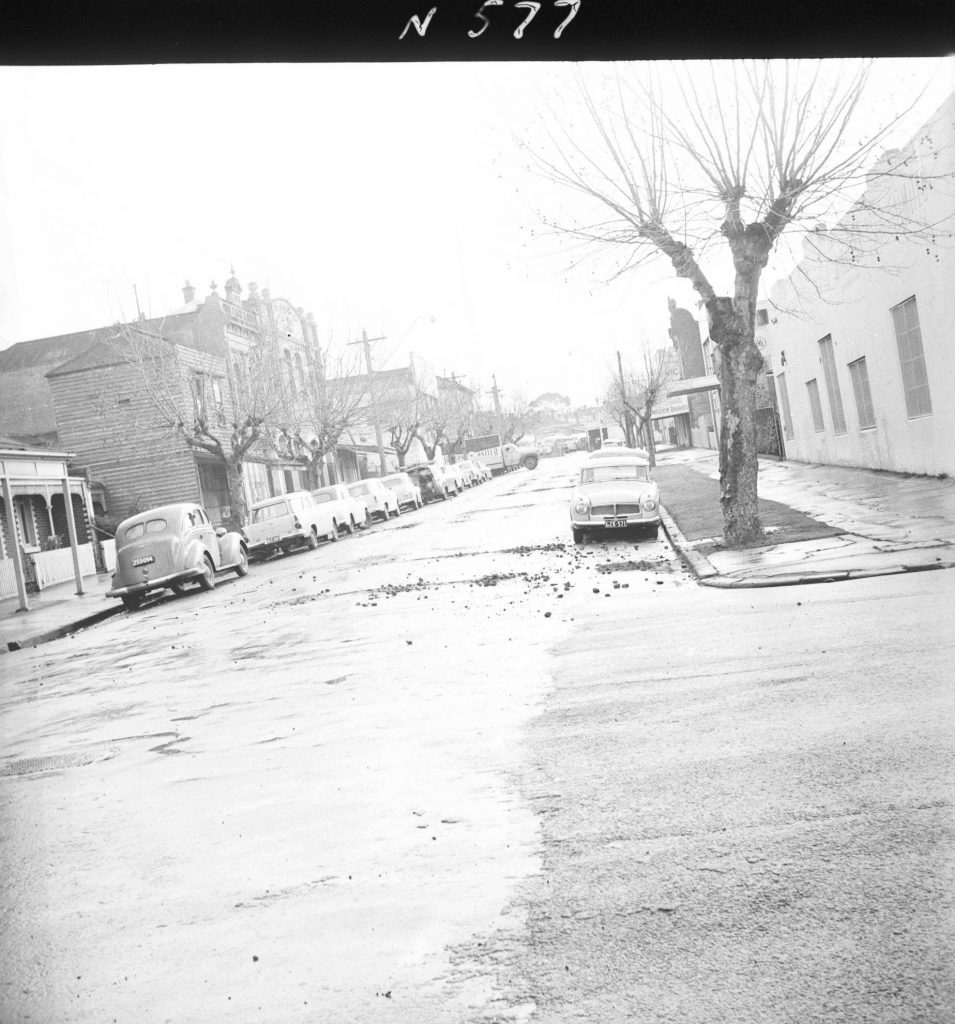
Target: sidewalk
(55, 611)
(823, 523)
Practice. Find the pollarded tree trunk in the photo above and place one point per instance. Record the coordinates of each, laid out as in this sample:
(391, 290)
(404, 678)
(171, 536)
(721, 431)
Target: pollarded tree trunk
(740, 362)
(237, 499)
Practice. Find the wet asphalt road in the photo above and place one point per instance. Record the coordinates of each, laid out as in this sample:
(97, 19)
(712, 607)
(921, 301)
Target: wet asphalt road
(457, 770)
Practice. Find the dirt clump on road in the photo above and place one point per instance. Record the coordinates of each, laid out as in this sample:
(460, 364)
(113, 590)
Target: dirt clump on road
(639, 565)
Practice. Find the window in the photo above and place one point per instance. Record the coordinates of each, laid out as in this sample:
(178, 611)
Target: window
(299, 371)
(828, 357)
(860, 387)
(762, 317)
(609, 474)
(199, 395)
(267, 512)
(908, 334)
(818, 424)
(287, 368)
(217, 401)
(784, 404)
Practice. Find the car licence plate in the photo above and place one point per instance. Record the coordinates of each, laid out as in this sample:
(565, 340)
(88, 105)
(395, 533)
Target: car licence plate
(618, 523)
(147, 560)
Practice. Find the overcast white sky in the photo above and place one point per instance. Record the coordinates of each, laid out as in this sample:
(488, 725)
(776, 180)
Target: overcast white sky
(373, 195)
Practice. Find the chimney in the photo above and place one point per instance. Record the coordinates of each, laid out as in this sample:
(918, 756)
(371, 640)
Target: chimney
(188, 293)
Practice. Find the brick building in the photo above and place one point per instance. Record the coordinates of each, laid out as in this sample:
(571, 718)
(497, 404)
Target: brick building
(103, 397)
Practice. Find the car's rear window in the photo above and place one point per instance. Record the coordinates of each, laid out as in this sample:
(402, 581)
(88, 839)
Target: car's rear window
(608, 474)
(150, 526)
(322, 496)
(267, 512)
(358, 489)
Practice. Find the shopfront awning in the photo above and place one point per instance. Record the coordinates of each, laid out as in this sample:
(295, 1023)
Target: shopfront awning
(693, 386)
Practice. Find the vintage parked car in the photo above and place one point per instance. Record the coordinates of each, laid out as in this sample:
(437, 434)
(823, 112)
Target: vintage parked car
(170, 546)
(430, 483)
(613, 494)
(350, 513)
(381, 501)
(449, 481)
(471, 473)
(406, 490)
(459, 473)
(286, 522)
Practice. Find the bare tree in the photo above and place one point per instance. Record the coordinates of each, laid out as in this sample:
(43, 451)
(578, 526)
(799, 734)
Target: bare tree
(449, 419)
(515, 418)
(402, 408)
(333, 403)
(632, 397)
(221, 403)
(695, 167)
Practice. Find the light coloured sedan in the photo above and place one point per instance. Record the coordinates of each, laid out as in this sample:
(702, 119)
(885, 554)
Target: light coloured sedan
(382, 502)
(350, 513)
(474, 475)
(405, 488)
(612, 495)
(458, 474)
(448, 480)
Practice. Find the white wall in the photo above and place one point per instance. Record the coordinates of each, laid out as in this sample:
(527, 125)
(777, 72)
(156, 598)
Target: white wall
(853, 304)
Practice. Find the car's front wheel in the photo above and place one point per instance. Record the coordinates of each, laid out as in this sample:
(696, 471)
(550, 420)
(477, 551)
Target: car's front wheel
(530, 462)
(397, 509)
(333, 534)
(242, 566)
(179, 589)
(131, 601)
(349, 527)
(312, 539)
(208, 578)
(653, 531)
(579, 535)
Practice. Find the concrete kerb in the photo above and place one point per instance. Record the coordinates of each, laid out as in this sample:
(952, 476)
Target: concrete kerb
(801, 579)
(698, 563)
(61, 631)
(709, 576)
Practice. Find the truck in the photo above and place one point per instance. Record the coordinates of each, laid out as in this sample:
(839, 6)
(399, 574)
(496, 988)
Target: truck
(501, 457)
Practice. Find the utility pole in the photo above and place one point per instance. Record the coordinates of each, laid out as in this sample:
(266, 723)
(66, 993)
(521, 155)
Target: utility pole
(366, 343)
(496, 392)
(627, 419)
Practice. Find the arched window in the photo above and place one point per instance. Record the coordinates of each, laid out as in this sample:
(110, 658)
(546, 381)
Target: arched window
(299, 370)
(287, 369)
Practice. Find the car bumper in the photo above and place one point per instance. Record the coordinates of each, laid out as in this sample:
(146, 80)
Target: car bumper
(274, 545)
(603, 522)
(155, 584)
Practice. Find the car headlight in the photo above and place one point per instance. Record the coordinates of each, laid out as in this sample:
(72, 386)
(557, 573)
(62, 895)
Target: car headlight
(648, 504)
(582, 506)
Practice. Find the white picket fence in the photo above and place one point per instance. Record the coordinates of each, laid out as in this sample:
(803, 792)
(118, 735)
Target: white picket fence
(8, 578)
(57, 566)
(109, 554)
(49, 567)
